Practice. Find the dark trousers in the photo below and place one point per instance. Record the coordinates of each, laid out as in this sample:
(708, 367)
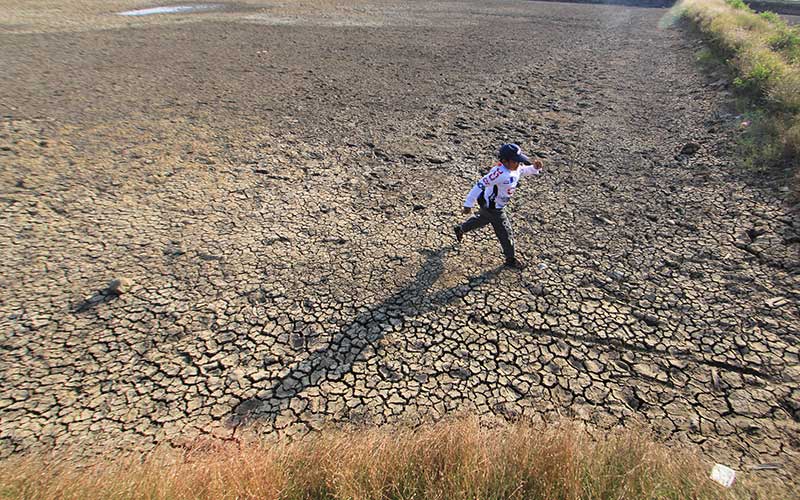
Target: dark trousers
(500, 223)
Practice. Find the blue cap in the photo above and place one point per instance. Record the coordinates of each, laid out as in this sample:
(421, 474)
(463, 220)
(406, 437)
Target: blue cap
(513, 152)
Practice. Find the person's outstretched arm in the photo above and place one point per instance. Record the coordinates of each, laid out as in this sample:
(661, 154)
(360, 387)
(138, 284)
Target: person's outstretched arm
(535, 169)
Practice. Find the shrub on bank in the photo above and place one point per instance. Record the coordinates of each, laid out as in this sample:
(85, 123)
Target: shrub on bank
(764, 53)
(451, 460)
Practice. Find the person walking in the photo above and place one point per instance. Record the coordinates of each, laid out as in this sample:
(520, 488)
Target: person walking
(493, 192)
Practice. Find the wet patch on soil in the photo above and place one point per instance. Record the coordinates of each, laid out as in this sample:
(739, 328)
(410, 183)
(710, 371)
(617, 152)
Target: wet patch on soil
(173, 9)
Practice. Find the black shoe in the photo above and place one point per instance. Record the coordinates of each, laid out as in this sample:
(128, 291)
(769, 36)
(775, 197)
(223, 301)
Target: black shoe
(515, 264)
(459, 233)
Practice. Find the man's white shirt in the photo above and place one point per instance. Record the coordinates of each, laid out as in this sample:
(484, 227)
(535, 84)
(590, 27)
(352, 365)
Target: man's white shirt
(506, 182)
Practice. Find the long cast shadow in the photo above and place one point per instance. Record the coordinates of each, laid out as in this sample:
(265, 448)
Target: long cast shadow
(336, 359)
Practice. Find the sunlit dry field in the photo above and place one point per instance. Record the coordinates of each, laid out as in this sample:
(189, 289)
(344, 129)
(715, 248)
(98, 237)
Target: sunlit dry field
(276, 184)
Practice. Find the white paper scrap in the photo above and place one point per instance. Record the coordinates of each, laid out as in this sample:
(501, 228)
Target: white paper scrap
(723, 475)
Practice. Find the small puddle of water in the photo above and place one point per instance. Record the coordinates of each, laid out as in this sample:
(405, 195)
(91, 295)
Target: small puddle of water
(172, 9)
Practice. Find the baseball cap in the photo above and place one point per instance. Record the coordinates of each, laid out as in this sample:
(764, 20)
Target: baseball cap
(513, 152)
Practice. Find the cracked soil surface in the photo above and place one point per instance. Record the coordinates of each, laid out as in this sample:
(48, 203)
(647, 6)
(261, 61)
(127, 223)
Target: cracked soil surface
(275, 185)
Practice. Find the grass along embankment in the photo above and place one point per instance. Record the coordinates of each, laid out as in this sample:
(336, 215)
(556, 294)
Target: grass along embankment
(451, 460)
(763, 52)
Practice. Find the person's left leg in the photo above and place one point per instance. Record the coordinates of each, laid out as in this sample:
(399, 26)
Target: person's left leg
(478, 220)
(475, 222)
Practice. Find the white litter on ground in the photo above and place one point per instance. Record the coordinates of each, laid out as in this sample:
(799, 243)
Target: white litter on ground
(723, 475)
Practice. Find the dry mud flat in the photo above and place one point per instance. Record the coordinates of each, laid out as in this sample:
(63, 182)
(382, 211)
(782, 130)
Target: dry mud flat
(278, 183)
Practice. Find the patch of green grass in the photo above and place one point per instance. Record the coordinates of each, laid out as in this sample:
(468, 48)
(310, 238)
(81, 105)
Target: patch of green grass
(771, 17)
(759, 149)
(755, 80)
(738, 4)
(706, 58)
(787, 41)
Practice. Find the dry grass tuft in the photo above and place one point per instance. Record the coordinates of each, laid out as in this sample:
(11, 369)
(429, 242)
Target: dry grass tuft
(452, 460)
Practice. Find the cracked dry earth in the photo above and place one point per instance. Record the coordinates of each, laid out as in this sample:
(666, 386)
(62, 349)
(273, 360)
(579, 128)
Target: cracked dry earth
(276, 185)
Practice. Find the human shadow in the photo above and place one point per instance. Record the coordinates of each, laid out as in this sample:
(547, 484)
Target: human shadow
(334, 360)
